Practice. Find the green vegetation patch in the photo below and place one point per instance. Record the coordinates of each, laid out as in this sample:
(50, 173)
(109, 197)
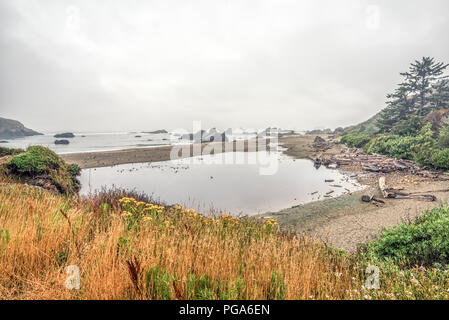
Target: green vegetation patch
(41, 166)
(357, 140)
(424, 241)
(9, 151)
(36, 160)
(414, 123)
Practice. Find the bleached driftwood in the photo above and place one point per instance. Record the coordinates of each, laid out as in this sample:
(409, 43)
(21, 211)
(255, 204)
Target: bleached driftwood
(397, 194)
(383, 188)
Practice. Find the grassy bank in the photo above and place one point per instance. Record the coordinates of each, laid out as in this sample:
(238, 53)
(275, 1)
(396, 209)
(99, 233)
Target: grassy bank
(130, 249)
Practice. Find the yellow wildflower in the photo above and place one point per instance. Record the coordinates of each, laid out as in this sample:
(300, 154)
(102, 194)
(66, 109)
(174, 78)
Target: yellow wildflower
(126, 214)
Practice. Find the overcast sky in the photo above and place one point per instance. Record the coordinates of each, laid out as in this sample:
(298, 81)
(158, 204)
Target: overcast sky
(134, 65)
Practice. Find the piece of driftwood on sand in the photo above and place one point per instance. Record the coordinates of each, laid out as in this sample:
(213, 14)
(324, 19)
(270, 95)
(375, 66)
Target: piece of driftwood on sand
(398, 194)
(369, 197)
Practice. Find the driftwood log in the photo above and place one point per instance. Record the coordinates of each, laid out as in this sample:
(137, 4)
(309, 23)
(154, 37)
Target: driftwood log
(379, 163)
(383, 188)
(397, 194)
(369, 197)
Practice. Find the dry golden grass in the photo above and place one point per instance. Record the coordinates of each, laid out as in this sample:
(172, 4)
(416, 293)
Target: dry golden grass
(116, 248)
(42, 242)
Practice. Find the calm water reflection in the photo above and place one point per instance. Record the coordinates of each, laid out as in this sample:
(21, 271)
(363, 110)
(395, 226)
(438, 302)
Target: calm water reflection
(232, 188)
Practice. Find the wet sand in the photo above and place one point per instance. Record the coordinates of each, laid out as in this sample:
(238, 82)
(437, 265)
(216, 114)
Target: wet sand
(139, 155)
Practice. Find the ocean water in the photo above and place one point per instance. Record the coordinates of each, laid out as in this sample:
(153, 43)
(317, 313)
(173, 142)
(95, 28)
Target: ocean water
(85, 142)
(89, 142)
(208, 184)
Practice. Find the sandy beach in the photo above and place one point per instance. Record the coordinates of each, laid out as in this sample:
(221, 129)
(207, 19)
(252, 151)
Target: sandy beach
(137, 155)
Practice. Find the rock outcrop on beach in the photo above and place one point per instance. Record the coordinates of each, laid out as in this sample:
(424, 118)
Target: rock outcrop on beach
(64, 135)
(10, 129)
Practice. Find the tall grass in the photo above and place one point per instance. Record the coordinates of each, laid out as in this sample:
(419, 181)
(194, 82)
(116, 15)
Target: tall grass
(131, 249)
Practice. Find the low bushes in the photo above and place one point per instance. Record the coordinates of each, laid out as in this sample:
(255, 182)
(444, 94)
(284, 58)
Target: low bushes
(36, 160)
(423, 242)
(422, 148)
(356, 140)
(443, 139)
(408, 127)
(391, 145)
(440, 159)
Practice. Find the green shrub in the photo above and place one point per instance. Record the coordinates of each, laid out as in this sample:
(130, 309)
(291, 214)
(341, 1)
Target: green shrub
(440, 159)
(422, 149)
(424, 241)
(35, 160)
(424, 146)
(400, 147)
(356, 140)
(408, 127)
(443, 139)
(378, 144)
(74, 169)
(9, 152)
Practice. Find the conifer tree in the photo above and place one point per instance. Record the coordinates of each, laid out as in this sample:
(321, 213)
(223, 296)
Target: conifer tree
(425, 88)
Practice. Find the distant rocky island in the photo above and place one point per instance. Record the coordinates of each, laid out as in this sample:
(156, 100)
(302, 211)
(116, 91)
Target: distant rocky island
(10, 129)
(156, 131)
(64, 135)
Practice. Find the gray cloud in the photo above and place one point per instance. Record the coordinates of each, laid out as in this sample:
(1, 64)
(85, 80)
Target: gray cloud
(114, 65)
